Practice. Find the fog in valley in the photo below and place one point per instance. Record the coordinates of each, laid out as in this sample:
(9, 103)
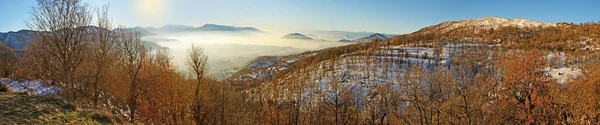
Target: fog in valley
(230, 50)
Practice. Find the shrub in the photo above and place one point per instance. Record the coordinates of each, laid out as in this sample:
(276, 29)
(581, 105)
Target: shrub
(3, 88)
(102, 118)
(69, 107)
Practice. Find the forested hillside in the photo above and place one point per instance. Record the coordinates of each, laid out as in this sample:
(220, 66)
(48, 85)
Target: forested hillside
(471, 74)
(476, 71)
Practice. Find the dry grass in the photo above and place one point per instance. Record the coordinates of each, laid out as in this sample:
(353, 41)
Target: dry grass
(20, 108)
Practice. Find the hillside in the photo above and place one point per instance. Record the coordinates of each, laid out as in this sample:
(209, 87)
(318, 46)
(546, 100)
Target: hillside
(459, 71)
(484, 24)
(296, 36)
(376, 36)
(142, 31)
(438, 45)
(17, 40)
(22, 108)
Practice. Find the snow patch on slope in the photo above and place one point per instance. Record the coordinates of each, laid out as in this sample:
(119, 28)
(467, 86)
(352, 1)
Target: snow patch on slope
(559, 72)
(564, 74)
(30, 87)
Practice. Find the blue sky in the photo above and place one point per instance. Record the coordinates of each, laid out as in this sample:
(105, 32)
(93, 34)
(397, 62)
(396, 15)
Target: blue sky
(386, 16)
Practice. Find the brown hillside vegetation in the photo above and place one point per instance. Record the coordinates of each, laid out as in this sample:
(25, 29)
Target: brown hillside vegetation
(522, 95)
(502, 80)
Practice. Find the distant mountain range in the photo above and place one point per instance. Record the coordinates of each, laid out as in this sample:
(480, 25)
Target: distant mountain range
(376, 36)
(336, 35)
(299, 36)
(203, 28)
(17, 40)
(296, 36)
(481, 23)
(21, 39)
(142, 31)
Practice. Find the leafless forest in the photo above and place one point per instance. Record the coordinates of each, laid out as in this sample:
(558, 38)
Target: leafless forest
(502, 80)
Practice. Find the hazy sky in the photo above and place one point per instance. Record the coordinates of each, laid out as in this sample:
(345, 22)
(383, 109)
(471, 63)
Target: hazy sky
(387, 16)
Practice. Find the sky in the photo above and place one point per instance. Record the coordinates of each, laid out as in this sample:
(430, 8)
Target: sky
(384, 16)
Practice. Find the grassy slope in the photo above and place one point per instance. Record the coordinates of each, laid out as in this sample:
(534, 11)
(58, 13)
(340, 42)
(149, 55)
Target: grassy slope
(20, 108)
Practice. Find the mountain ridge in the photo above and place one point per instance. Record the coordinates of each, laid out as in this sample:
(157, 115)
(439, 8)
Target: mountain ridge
(375, 36)
(205, 28)
(485, 23)
(21, 39)
(296, 36)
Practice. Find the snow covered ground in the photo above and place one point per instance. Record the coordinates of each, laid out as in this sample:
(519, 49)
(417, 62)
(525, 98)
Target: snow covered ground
(564, 75)
(558, 70)
(360, 72)
(31, 87)
(39, 88)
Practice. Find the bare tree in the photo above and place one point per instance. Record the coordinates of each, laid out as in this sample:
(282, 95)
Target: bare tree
(133, 57)
(8, 59)
(197, 62)
(64, 39)
(104, 51)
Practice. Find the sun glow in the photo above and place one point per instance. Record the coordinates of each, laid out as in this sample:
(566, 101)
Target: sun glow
(151, 9)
